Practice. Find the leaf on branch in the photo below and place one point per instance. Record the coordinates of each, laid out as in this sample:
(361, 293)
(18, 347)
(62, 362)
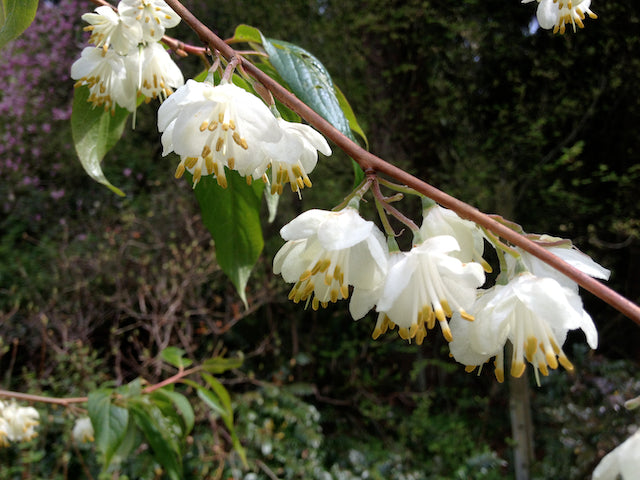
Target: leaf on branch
(15, 18)
(109, 423)
(175, 356)
(95, 132)
(232, 215)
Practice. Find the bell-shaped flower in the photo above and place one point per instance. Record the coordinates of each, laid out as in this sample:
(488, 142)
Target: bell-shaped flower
(19, 423)
(567, 252)
(293, 157)
(326, 252)
(534, 314)
(213, 127)
(105, 73)
(438, 220)
(153, 16)
(425, 284)
(622, 462)
(83, 430)
(556, 14)
(108, 29)
(154, 72)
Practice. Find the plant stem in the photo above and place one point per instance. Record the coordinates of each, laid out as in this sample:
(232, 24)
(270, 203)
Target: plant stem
(369, 161)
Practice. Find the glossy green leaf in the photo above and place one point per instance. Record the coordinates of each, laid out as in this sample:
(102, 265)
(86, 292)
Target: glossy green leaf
(175, 356)
(232, 215)
(109, 423)
(247, 33)
(15, 18)
(160, 433)
(95, 132)
(307, 77)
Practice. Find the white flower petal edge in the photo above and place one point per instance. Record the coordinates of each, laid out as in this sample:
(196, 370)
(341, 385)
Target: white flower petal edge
(154, 71)
(293, 157)
(83, 430)
(534, 314)
(426, 284)
(624, 460)
(327, 252)
(19, 422)
(107, 28)
(213, 127)
(153, 16)
(105, 74)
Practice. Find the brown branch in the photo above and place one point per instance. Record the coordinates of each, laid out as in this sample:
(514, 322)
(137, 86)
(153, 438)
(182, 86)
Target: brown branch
(367, 161)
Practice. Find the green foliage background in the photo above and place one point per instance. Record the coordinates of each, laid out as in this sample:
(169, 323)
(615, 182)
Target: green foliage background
(537, 127)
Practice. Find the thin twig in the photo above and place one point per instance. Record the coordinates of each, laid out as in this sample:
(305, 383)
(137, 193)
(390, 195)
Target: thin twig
(367, 161)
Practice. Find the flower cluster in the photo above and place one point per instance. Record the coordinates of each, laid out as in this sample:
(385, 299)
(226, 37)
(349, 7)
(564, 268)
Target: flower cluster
(17, 424)
(224, 126)
(126, 59)
(532, 306)
(555, 14)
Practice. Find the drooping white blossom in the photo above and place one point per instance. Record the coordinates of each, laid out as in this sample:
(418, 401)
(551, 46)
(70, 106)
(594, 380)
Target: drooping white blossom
(83, 430)
(153, 17)
(567, 252)
(425, 284)
(153, 71)
(442, 221)
(19, 423)
(534, 314)
(108, 29)
(555, 14)
(293, 157)
(326, 252)
(213, 127)
(105, 73)
(622, 462)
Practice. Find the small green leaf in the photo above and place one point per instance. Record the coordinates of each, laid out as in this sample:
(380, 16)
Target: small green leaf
(224, 397)
(307, 77)
(351, 116)
(181, 404)
(222, 364)
(95, 132)
(213, 402)
(232, 215)
(109, 423)
(247, 33)
(174, 356)
(15, 18)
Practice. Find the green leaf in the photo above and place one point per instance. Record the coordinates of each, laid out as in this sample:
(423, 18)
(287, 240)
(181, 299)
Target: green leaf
(247, 33)
(94, 133)
(109, 423)
(181, 403)
(224, 397)
(174, 356)
(213, 402)
(222, 364)
(351, 116)
(160, 432)
(232, 215)
(15, 17)
(307, 77)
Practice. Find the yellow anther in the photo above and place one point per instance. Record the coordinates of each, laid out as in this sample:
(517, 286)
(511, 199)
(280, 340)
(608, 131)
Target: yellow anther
(225, 126)
(296, 170)
(222, 180)
(208, 161)
(551, 360)
(315, 304)
(308, 290)
(221, 117)
(197, 173)
(344, 290)
(446, 331)
(305, 275)
(216, 168)
(404, 333)
(446, 307)
(232, 124)
(468, 317)
(470, 368)
(517, 368)
(231, 162)
(530, 347)
(413, 330)
(300, 182)
(564, 361)
(206, 151)
(499, 373)
(328, 279)
(219, 144)
(203, 126)
(335, 294)
(440, 314)
(543, 368)
(190, 162)
(212, 126)
(179, 170)
(421, 334)
(307, 182)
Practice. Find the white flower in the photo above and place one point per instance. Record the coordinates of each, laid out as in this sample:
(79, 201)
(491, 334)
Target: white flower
(153, 16)
(216, 127)
(83, 430)
(426, 284)
(105, 73)
(442, 221)
(567, 252)
(155, 73)
(293, 157)
(19, 423)
(4, 433)
(328, 251)
(558, 13)
(534, 314)
(107, 28)
(623, 461)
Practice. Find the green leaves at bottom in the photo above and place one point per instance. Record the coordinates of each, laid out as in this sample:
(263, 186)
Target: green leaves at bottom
(232, 215)
(109, 423)
(95, 132)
